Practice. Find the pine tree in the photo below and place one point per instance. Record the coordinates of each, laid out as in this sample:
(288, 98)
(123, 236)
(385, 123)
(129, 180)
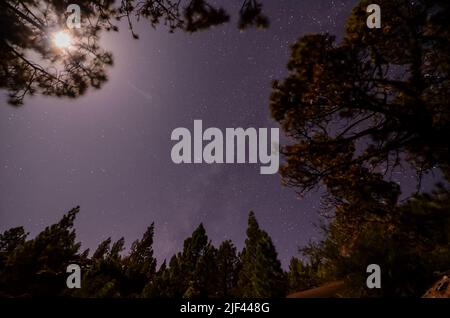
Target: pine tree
(372, 101)
(206, 278)
(294, 275)
(227, 269)
(102, 250)
(197, 264)
(302, 276)
(116, 249)
(261, 275)
(9, 241)
(158, 286)
(174, 278)
(141, 264)
(410, 246)
(12, 238)
(38, 266)
(105, 273)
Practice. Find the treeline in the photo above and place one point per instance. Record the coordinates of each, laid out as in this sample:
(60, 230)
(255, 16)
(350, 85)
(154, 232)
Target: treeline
(410, 242)
(37, 267)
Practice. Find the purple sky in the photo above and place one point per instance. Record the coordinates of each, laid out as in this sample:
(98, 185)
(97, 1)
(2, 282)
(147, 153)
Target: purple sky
(109, 151)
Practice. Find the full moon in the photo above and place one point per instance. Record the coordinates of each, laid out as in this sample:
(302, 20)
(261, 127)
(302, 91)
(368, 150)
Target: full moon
(62, 39)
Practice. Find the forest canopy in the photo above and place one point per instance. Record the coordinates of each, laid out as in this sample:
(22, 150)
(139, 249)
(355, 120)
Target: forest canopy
(356, 111)
(37, 267)
(30, 64)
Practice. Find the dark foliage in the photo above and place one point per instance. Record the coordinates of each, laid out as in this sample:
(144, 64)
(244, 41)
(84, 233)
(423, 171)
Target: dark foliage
(37, 267)
(369, 103)
(31, 64)
(355, 111)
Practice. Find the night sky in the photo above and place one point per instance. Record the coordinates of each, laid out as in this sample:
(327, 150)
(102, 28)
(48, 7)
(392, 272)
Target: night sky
(109, 151)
